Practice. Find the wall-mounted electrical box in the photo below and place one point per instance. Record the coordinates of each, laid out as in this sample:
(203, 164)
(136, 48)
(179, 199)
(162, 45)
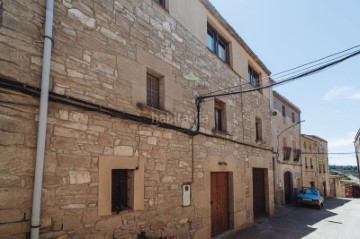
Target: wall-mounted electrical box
(186, 195)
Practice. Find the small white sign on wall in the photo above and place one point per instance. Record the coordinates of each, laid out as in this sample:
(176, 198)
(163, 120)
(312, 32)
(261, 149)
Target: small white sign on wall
(186, 195)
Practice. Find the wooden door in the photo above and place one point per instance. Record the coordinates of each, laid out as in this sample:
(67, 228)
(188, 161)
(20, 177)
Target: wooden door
(332, 187)
(219, 203)
(259, 192)
(288, 187)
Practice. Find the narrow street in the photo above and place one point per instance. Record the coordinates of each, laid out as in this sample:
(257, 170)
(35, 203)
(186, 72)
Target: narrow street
(338, 219)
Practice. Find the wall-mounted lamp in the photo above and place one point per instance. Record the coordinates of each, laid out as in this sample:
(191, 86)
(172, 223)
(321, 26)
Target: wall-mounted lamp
(223, 163)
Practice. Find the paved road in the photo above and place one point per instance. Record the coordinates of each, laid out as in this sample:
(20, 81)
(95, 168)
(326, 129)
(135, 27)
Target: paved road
(339, 219)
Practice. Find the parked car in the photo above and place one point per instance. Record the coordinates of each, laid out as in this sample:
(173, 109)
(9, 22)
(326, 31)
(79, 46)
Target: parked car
(311, 197)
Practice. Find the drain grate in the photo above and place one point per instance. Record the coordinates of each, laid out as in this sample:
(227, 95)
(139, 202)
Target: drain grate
(334, 222)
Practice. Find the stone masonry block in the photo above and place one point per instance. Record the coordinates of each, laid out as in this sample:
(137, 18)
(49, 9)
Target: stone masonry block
(124, 151)
(11, 215)
(79, 177)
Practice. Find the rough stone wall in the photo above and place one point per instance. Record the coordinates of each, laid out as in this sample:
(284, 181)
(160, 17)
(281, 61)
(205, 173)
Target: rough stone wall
(92, 38)
(91, 41)
(75, 140)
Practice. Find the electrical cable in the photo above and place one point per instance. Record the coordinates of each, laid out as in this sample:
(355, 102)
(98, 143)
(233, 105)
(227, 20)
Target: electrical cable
(89, 106)
(311, 62)
(301, 75)
(289, 70)
(310, 67)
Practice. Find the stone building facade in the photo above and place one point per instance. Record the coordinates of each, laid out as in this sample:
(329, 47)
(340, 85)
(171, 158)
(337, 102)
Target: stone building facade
(286, 142)
(315, 163)
(104, 124)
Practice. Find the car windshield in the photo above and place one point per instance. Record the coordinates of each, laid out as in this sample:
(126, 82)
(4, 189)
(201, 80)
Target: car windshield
(310, 191)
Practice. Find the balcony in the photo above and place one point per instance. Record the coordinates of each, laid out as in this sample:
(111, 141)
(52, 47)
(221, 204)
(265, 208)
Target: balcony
(297, 155)
(287, 153)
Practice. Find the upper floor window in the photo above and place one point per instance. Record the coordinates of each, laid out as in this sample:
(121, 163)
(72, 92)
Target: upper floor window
(258, 127)
(287, 153)
(219, 116)
(293, 118)
(161, 2)
(153, 91)
(217, 44)
(254, 78)
(283, 110)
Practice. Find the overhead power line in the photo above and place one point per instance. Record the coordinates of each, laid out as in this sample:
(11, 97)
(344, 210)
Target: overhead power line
(298, 69)
(290, 79)
(312, 62)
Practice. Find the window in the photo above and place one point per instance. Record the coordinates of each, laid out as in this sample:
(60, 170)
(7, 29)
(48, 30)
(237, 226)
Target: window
(287, 153)
(219, 115)
(121, 184)
(217, 44)
(306, 163)
(312, 184)
(161, 2)
(293, 117)
(119, 190)
(258, 128)
(297, 155)
(254, 78)
(153, 91)
(283, 110)
(296, 152)
(311, 163)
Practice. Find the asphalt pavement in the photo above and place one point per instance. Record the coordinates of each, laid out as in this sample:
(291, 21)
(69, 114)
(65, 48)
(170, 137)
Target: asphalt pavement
(338, 219)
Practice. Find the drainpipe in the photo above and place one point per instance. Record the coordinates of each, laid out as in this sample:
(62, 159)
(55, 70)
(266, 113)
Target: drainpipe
(40, 153)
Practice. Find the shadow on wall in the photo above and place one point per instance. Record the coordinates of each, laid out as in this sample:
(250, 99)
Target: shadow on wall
(290, 221)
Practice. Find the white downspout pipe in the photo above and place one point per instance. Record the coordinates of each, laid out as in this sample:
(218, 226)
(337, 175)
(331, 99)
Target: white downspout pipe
(44, 100)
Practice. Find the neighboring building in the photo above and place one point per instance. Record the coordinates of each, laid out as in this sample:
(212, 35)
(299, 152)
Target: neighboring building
(357, 150)
(315, 163)
(350, 188)
(286, 141)
(123, 155)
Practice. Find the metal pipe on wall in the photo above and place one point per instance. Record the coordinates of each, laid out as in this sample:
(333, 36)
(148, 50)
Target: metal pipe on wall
(44, 100)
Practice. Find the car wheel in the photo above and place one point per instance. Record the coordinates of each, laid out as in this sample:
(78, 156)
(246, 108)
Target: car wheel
(319, 206)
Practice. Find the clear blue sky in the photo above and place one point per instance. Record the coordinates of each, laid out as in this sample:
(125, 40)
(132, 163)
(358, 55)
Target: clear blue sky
(285, 34)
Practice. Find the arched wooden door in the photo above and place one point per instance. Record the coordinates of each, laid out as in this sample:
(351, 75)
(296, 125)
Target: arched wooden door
(288, 188)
